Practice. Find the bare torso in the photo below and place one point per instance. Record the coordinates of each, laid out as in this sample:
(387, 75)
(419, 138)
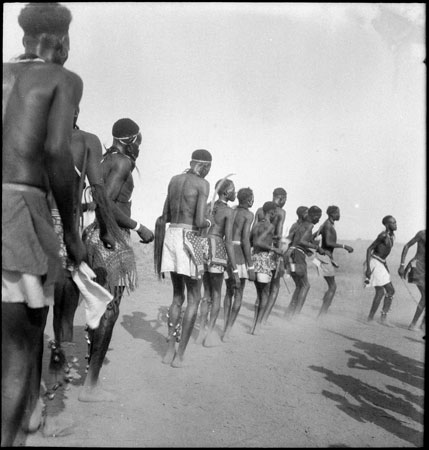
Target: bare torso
(329, 236)
(223, 217)
(302, 235)
(262, 234)
(421, 246)
(383, 245)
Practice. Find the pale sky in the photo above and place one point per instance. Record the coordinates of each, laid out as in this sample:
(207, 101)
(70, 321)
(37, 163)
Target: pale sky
(327, 100)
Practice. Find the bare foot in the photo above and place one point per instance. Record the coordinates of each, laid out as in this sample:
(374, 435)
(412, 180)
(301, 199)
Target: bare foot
(169, 356)
(58, 426)
(201, 336)
(95, 394)
(226, 337)
(256, 331)
(177, 362)
(36, 417)
(211, 340)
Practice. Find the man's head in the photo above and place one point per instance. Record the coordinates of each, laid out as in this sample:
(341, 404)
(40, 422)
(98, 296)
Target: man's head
(226, 190)
(302, 212)
(390, 223)
(126, 135)
(201, 162)
(314, 214)
(269, 209)
(46, 27)
(245, 197)
(279, 197)
(333, 212)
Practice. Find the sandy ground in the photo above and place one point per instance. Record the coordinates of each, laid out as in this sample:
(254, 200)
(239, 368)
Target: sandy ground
(340, 382)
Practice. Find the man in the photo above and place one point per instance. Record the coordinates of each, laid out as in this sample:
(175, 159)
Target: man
(264, 260)
(39, 100)
(220, 254)
(243, 259)
(377, 271)
(181, 255)
(302, 246)
(301, 213)
(115, 269)
(417, 272)
(86, 151)
(279, 198)
(327, 267)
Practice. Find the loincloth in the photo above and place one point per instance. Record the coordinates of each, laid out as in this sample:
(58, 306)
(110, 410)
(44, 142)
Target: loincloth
(326, 268)
(216, 257)
(264, 262)
(182, 251)
(296, 261)
(380, 275)
(112, 267)
(417, 273)
(30, 247)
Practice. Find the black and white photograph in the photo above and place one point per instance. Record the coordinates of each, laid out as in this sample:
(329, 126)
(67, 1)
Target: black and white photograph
(214, 224)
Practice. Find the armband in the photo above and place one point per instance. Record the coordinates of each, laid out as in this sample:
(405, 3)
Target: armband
(137, 227)
(208, 221)
(235, 271)
(251, 268)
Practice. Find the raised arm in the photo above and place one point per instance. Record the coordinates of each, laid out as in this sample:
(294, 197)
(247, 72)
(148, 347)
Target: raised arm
(414, 240)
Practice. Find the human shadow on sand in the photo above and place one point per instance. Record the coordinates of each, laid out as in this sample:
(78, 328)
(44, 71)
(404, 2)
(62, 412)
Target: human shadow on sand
(140, 328)
(386, 361)
(373, 406)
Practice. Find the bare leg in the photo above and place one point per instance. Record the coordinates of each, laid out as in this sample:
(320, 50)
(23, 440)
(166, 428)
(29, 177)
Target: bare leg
(216, 280)
(379, 292)
(263, 292)
(302, 296)
(227, 303)
(274, 292)
(204, 309)
(193, 288)
(238, 297)
(328, 297)
(22, 351)
(390, 291)
(420, 308)
(99, 343)
(290, 310)
(174, 314)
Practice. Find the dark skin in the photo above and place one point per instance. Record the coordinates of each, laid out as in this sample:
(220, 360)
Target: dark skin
(303, 238)
(222, 226)
(262, 238)
(420, 240)
(329, 243)
(278, 222)
(117, 176)
(240, 232)
(39, 100)
(185, 203)
(381, 247)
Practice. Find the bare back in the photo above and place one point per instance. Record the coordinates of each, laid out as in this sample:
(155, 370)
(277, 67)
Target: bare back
(382, 246)
(186, 199)
(262, 235)
(39, 100)
(223, 220)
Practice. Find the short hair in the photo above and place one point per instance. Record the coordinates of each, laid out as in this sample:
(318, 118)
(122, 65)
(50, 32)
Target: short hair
(386, 219)
(268, 206)
(201, 155)
(331, 209)
(300, 210)
(223, 184)
(279, 191)
(39, 18)
(124, 128)
(313, 210)
(244, 194)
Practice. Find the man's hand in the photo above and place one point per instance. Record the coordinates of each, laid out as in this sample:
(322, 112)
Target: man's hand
(348, 248)
(145, 234)
(368, 273)
(237, 280)
(108, 241)
(251, 274)
(401, 271)
(320, 251)
(76, 249)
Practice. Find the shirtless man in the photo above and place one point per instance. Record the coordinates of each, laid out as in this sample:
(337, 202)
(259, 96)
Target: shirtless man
(243, 259)
(279, 198)
(184, 209)
(302, 246)
(329, 243)
(220, 254)
(377, 271)
(115, 269)
(39, 100)
(418, 267)
(66, 291)
(264, 261)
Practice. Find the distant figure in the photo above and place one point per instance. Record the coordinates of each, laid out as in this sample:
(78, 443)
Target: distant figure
(301, 246)
(279, 198)
(115, 268)
(377, 271)
(243, 259)
(416, 272)
(182, 252)
(327, 267)
(264, 260)
(220, 254)
(40, 97)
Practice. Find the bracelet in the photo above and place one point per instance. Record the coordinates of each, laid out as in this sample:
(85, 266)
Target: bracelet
(402, 264)
(343, 246)
(235, 271)
(210, 224)
(251, 268)
(137, 227)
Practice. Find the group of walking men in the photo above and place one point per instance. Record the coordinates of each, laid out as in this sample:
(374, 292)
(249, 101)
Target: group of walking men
(49, 260)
